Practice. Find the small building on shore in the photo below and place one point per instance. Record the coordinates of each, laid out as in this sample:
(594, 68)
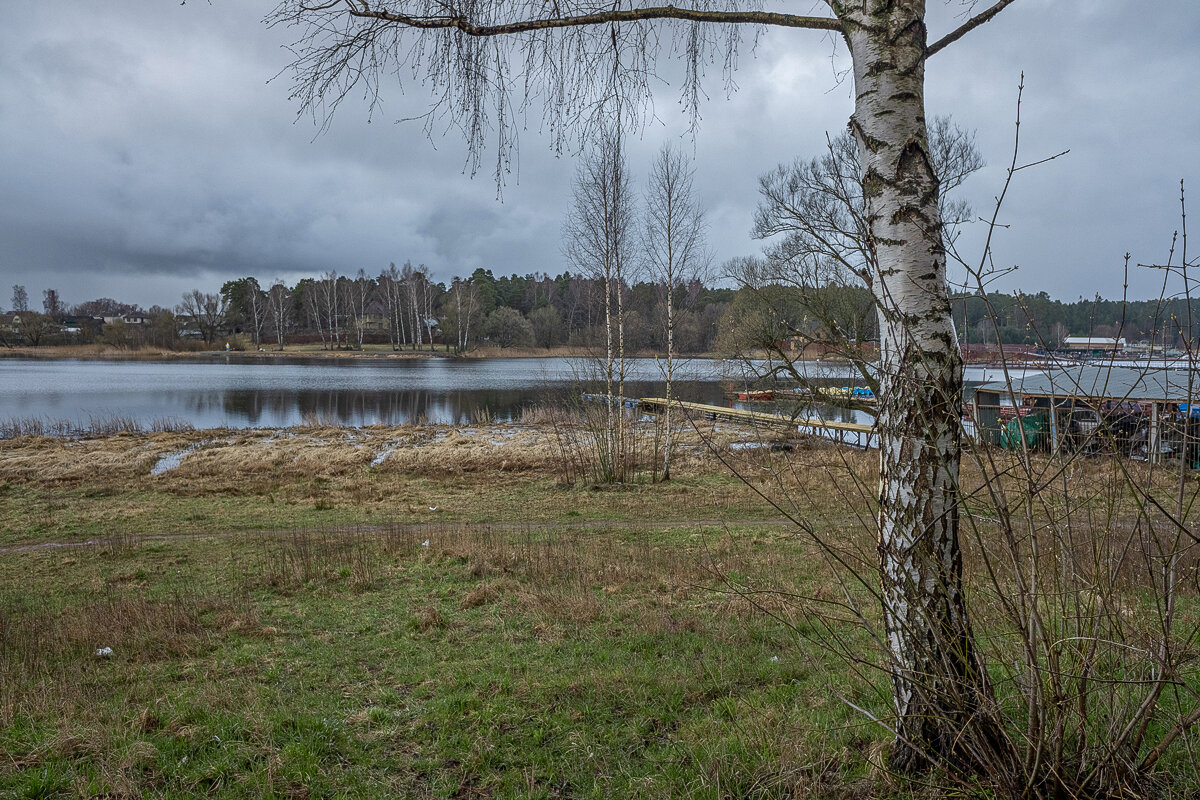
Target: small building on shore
(1094, 345)
(1147, 412)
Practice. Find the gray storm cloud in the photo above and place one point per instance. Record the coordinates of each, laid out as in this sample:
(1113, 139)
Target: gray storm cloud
(145, 150)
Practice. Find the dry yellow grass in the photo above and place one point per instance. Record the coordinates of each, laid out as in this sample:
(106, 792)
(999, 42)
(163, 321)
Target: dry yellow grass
(228, 481)
(307, 452)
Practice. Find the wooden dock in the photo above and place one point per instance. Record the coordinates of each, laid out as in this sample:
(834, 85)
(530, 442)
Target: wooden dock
(840, 431)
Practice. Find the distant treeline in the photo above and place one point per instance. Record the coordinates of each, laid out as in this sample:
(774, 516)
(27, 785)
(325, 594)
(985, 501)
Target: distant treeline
(840, 316)
(401, 306)
(405, 308)
(1039, 319)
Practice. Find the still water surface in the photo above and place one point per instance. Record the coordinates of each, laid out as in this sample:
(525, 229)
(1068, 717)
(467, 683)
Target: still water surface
(229, 391)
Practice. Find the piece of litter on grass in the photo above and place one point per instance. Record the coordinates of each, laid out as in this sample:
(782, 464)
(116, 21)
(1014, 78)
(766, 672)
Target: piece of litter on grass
(433, 508)
(104, 651)
(774, 659)
(425, 543)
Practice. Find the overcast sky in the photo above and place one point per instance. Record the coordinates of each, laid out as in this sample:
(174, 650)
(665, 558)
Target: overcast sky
(144, 151)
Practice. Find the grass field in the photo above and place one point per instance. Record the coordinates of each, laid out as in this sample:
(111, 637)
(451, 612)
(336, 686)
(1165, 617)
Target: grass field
(433, 612)
(526, 638)
(594, 664)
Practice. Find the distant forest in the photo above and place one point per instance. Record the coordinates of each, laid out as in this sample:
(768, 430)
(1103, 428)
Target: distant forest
(405, 308)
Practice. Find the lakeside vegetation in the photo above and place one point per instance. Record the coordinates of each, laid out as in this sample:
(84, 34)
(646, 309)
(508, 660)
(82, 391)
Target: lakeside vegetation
(305, 352)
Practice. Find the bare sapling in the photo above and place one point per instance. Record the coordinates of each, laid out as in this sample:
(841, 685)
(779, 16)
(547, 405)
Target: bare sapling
(598, 240)
(673, 244)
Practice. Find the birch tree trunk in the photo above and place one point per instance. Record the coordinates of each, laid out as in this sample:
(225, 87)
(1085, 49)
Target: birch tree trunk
(313, 302)
(667, 443)
(939, 685)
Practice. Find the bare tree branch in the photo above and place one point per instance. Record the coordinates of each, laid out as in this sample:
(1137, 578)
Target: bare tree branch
(463, 23)
(968, 26)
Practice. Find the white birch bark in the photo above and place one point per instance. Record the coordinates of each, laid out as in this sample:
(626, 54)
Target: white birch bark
(937, 683)
(673, 247)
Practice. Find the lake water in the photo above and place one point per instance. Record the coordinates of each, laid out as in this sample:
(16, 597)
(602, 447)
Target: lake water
(236, 392)
(233, 392)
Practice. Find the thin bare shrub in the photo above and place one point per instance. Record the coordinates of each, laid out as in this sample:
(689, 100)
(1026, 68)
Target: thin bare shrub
(1079, 560)
(1088, 562)
(1076, 674)
(597, 445)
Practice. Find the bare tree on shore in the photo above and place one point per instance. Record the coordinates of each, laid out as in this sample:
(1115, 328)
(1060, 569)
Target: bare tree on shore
(674, 248)
(462, 306)
(814, 214)
(20, 298)
(361, 293)
(205, 311)
(598, 236)
(279, 305)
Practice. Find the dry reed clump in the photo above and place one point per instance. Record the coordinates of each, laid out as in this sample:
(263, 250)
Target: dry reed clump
(429, 619)
(98, 351)
(489, 449)
(107, 425)
(138, 755)
(296, 456)
(79, 742)
(487, 593)
(197, 461)
(70, 462)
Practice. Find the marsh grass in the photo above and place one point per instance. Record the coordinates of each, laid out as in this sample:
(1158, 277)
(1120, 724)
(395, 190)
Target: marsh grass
(103, 488)
(102, 425)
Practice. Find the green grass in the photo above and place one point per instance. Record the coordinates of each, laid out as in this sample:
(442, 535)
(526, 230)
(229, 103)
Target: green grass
(33, 513)
(486, 664)
(289, 621)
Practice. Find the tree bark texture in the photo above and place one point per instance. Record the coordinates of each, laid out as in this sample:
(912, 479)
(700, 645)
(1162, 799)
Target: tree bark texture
(937, 681)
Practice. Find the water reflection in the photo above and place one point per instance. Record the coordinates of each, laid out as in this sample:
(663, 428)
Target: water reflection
(229, 393)
(232, 392)
(279, 408)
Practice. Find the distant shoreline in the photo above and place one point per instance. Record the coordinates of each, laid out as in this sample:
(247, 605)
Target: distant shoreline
(304, 353)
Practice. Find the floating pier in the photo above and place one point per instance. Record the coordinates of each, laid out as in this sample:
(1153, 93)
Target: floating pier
(854, 433)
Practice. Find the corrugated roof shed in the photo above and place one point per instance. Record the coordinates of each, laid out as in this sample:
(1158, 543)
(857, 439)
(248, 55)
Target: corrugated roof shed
(1105, 382)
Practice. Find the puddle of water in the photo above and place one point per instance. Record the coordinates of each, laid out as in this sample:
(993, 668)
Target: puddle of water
(170, 461)
(383, 455)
